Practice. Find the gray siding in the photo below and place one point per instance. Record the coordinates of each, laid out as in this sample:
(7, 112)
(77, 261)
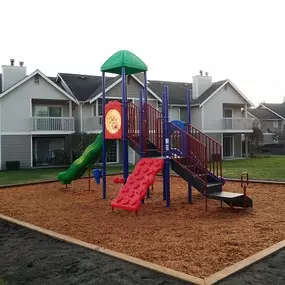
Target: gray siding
(183, 114)
(133, 90)
(16, 105)
(267, 139)
(16, 148)
(213, 109)
(196, 117)
(76, 115)
(268, 124)
(216, 136)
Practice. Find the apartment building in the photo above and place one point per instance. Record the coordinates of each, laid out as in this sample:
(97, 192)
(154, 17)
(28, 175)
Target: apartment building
(39, 114)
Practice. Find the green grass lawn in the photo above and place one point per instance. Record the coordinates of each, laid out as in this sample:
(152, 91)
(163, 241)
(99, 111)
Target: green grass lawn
(30, 175)
(270, 168)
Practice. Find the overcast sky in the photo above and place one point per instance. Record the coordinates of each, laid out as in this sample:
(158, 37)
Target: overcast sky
(242, 40)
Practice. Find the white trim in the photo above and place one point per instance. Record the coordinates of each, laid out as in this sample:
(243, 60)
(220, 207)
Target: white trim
(93, 132)
(228, 131)
(238, 91)
(52, 132)
(44, 77)
(106, 90)
(252, 115)
(272, 111)
(148, 89)
(15, 133)
(31, 151)
(37, 133)
(65, 85)
(81, 117)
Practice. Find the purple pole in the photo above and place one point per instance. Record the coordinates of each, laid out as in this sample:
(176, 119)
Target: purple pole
(189, 150)
(104, 141)
(167, 149)
(141, 125)
(163, 143)
(125, 126)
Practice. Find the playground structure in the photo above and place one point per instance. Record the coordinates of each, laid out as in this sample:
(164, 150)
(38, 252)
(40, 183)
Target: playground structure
(161, 144)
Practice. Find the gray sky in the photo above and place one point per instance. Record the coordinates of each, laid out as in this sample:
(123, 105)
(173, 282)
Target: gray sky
(242, 40)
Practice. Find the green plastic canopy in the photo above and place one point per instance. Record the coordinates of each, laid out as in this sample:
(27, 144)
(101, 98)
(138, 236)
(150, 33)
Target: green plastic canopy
(124, 58)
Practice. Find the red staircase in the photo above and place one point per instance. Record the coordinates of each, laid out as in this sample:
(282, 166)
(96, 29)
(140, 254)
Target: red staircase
(213, 150)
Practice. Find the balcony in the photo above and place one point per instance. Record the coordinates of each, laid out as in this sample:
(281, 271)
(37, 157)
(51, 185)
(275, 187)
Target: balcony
(92, 124)
(238, 124)
(52, 125)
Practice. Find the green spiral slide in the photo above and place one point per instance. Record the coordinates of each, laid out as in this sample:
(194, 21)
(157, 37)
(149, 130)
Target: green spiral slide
(90, 155)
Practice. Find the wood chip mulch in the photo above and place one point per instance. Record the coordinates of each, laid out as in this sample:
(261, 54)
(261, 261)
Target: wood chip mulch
(183, 237)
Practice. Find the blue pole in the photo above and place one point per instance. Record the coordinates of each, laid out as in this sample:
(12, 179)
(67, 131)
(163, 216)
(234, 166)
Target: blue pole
(167, 150)
(125, 126)
(141, 125)
(104, 141)
(146, 115)
(163, 143)
(189, 150)
(145, 101)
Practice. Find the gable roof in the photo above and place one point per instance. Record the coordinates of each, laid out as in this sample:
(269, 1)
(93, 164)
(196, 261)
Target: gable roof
(277, 109)
(26, 78)
(263, 114)
(177, 91)
(82, 86)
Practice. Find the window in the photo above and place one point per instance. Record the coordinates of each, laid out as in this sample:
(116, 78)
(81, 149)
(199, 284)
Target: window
(99, 102)
(275, 124)
(111, 154)
(47, 111)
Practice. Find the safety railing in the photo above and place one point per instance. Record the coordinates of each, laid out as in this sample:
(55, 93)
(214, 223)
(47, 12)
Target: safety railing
(134, 125)
(189, 152)
(153, 116)
(213, 150)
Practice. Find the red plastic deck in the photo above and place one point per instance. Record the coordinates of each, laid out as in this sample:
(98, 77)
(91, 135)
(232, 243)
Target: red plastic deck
(131, 194)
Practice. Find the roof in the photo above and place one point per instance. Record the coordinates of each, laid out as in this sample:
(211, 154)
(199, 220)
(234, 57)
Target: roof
(124, 58)
(0, 82)
(263, 114)
(278, 109)
(26, 78)
(109, 82)
(177, 91)
(83, 86)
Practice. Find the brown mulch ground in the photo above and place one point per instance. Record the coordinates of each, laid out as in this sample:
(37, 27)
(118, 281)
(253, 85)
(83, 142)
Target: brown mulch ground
(183, 237)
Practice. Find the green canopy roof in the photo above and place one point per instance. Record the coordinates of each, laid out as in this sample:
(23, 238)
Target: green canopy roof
(124, 58)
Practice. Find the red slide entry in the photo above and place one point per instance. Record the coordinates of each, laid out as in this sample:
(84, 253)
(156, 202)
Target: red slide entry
(143, 176)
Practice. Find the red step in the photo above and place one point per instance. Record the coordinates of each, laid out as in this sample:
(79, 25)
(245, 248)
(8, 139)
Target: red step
(130, 195)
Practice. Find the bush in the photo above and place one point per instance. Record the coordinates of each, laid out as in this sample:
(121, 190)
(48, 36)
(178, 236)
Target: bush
(13, 165)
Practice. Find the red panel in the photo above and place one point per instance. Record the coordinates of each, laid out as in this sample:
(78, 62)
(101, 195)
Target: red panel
(113, 120)
(143, 176)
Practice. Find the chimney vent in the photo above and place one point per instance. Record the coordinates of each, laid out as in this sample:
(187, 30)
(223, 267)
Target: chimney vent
(207, 73)
(201, 72)
(21, 63)
(12, 60)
